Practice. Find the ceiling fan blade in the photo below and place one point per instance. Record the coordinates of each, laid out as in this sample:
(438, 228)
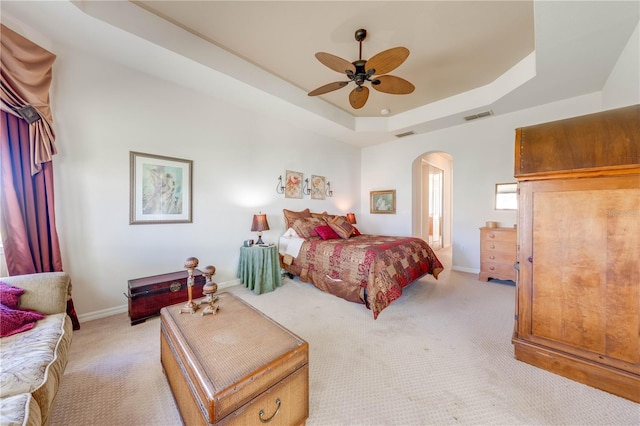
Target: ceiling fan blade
(394, 85)
(335, 63)
(357, 99)
(388, 60)
(328, 88)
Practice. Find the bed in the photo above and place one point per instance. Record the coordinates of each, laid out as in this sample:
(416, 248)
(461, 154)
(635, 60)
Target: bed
(330, 253)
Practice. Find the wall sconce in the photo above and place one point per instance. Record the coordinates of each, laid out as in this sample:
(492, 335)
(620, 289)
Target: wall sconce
(305, 188)
(351, 218)
(328, 192)
(280, 186)
(259, 224)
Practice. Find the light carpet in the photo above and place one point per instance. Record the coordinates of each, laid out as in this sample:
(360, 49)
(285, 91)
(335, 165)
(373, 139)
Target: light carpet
(439, 355)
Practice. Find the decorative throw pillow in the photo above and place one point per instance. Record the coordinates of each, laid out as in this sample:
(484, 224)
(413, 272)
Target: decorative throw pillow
(341, 225)
(290, 216)
(306, 226)
(326, 233)
(10, 295)
(356, 232)
(13, 321)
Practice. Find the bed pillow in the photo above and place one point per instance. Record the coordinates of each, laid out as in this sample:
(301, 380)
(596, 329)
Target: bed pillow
(306, 227)
(341, 225)
(10, 295)
(319, 215)
(327, 233)
(356, 232)
(13, 321)
(290, 216)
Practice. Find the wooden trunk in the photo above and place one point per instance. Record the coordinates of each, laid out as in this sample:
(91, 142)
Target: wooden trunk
(578, 293)
(149, 294)
(237, 367)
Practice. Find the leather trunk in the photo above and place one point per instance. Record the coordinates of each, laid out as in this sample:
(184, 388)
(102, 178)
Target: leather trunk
(150, 294)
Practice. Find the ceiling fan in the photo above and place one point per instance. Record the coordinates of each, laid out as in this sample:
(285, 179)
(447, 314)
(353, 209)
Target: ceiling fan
(361, 71)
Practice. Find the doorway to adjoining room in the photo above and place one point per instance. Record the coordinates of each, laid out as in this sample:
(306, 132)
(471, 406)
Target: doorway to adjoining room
(432, 186)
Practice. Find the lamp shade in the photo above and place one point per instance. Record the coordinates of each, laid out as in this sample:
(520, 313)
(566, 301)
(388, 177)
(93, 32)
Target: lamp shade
(260, 222)
(351, 218)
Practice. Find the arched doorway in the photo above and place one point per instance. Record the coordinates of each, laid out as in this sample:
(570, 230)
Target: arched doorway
(432, 187)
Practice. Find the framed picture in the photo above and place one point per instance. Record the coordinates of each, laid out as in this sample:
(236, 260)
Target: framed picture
(293, 185)
(317, 187)
(383, 201)
(160, 189)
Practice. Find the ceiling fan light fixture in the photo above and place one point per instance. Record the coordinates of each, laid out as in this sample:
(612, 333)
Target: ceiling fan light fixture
(358, 72)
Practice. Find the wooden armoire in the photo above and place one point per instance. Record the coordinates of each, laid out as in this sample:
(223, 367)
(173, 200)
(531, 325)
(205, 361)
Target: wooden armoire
(578, 291)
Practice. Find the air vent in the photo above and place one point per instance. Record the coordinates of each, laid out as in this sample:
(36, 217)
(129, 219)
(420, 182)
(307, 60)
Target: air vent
(402, 135)
(478, 115)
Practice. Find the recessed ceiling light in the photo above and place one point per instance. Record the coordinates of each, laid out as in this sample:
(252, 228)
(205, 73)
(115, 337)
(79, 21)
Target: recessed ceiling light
(385, 111)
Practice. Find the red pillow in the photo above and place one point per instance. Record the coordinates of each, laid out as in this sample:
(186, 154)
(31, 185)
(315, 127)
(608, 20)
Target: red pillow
(10, 295)
(326, 233)
(356, 232)
(14, 321)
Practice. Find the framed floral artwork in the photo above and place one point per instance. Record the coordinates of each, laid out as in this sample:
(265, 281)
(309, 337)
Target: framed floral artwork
(293, 184)
(317, 187)
(383, 201)
(160, 189)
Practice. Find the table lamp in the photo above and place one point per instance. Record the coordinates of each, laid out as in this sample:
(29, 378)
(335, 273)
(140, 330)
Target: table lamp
(351, 218)
(260, 224)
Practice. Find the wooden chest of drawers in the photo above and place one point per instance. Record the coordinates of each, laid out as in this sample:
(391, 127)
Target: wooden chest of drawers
(498, 253)
(237, 367)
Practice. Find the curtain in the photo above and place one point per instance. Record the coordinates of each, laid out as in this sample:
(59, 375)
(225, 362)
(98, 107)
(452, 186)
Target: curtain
(25, 78)
(27, 144)
(29, 236)
(27, 216)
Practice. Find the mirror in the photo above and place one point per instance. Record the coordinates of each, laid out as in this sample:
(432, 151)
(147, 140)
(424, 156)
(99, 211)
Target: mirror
(506, 196)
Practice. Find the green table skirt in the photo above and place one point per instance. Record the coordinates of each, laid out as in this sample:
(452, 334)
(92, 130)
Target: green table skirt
(259, 268)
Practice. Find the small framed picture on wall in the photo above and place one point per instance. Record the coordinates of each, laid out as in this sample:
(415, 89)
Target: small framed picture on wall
(383, 201)
(293, 184)
(318, 187)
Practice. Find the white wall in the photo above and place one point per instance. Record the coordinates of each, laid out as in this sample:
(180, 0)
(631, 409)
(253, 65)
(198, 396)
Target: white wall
(623, 85)
(102, 111)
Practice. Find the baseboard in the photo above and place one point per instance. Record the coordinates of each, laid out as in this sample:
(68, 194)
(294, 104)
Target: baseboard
(230, 283)
(102, 313)
(465, 269)
(116, 310)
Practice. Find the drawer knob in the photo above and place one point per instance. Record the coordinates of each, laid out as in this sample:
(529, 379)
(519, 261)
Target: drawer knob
(492, 267)
(263, 420)
(492, 246)
(492, 235)
(175, 286)
(492, 257)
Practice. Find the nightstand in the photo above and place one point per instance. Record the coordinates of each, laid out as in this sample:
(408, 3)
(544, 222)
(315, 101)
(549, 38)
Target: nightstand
(259, 268)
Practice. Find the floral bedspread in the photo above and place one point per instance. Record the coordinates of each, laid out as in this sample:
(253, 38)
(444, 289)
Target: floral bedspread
(382, 265)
